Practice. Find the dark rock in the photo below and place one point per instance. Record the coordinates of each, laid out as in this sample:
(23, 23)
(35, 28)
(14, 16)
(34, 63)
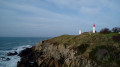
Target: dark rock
(11, 54)
(61, 60)
(25, 52)
(101, 53)
(7, 59)
(4, 59)
(43, 41)
(27, 58)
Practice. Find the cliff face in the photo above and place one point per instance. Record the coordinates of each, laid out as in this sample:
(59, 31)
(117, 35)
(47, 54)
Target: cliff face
(73, 51)
(59, 56)
(45, 54)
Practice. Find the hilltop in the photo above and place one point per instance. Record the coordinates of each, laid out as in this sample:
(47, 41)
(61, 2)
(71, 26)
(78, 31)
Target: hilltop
(85, 50)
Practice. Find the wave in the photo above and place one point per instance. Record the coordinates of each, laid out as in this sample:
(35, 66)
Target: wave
(13, 59)
(20, 48)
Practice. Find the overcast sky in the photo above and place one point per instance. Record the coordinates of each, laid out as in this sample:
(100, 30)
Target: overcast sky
(49, 18)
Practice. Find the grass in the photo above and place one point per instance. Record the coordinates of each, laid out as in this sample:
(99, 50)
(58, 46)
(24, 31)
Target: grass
(111, 34)
(76, 40)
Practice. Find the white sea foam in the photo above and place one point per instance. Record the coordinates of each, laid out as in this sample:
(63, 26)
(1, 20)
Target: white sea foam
(13, 59)
(20, 48)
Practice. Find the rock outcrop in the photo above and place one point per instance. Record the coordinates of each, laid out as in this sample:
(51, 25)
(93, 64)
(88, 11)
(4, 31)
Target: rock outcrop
(12, 53)
(45, 54)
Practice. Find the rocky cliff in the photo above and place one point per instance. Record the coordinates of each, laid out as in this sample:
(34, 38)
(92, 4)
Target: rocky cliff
(72, 51)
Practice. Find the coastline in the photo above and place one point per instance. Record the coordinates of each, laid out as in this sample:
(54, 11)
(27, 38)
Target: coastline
(85, 50)
(11, 46)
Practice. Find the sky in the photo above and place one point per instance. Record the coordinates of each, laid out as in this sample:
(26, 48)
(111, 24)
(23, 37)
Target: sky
(51, 18)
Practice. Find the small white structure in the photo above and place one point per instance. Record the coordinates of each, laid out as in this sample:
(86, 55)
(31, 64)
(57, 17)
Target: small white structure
(94, 28)
(80, 32)
(118, 32)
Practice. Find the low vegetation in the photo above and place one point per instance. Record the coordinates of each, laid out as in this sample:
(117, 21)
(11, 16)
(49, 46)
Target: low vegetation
(106, 55)
(116, 38)
(105, 31)
(116, 29)
(81, 49)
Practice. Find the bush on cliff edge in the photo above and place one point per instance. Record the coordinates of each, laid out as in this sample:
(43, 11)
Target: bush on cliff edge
(106, 55)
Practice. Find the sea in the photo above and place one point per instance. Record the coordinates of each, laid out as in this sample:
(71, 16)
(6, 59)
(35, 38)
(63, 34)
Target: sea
(12, 44)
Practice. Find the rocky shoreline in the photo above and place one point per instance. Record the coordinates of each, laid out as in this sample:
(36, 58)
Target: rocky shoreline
(45, 54)
(27, 58)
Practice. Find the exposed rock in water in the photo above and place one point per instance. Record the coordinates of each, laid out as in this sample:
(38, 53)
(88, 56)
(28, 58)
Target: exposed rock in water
(7, 59)
(4, 59)
(12, 53)
(45, 54)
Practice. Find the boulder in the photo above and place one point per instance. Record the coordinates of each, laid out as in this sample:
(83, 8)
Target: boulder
(7, 59)
(4, 59)
(12, 53)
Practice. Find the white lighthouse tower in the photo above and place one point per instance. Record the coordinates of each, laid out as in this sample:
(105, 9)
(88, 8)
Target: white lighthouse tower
(94, 28)
(80, 32)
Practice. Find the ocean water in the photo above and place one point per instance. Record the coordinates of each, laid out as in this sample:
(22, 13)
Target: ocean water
(12, 44)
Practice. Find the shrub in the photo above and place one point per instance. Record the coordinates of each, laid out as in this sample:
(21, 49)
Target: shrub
(116, 29)
(105, 31)
(81, 49)
(105, 54)
(116, 38)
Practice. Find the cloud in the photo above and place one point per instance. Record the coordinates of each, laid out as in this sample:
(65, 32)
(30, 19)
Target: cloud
(76, 4)
(39, 17)
(89, 11)
(37, 14)
(34, 10)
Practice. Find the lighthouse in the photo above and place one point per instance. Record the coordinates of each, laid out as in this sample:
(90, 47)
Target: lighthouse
(80, 32)
(94, 28)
